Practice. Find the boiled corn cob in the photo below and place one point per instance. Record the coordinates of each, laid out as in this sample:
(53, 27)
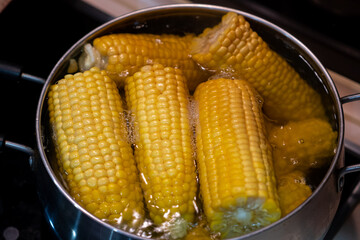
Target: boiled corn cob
(93, 150)
(232, 46)
(158, 101)
(302, 145)
(124, 54)
(237, 182)
(293, 191)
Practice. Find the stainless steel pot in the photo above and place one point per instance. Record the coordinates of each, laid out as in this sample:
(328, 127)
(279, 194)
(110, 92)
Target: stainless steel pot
(310, 220)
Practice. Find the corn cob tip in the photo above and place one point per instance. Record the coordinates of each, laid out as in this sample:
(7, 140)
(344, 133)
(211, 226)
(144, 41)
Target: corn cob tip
(201, 231)
(178, 228)
(293, 191)
(253, 215)
(90, 58)
(175, 228)
(302, 145)
(203, 47)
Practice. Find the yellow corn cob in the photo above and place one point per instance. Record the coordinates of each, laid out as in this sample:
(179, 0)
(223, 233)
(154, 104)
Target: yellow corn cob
(93, 151)
(293, 191)
(237, 181)
(126, 53)
(232, 46)
(302, 145)
(158, 101)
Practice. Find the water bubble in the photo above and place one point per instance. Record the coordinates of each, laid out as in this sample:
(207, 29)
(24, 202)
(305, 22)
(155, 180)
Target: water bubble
(11, 233)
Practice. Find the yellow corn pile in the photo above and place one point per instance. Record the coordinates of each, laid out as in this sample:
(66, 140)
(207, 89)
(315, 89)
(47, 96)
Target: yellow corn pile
(158, 101)
(124, 54)
(94, 154)
(232, 46)
(237, 182)
(302, 144)
(147, 164)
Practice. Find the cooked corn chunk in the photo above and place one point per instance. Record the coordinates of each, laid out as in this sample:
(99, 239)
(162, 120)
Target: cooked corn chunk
(199, 232)
(158, 101)
(124, 54)
(93, 151)
(237, 181)
(302, 145)
(232, 46)
(293, 191)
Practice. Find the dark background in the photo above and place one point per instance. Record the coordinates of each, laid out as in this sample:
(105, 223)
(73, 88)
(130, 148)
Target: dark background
(33, 35)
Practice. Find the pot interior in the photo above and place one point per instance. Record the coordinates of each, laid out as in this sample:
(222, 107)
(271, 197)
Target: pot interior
(183, 19)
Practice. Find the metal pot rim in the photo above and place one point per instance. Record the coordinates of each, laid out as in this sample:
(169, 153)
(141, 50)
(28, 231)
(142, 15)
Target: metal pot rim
(173, 8)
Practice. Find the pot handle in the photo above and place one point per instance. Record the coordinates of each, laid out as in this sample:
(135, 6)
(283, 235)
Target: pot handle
(356, 167)
(350, 98)
(17, 146)
(15, 72)
(353, 199)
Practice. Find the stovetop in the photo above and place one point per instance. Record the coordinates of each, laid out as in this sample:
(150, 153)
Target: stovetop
(35, 34)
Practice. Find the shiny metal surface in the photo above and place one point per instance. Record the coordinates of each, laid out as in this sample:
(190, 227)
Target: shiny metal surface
(22, 148)
(350, 98)
(356, 167)
(71, 221)
(32, 78)
(19, 147)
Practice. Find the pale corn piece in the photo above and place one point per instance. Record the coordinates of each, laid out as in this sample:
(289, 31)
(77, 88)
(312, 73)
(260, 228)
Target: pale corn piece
(94, 155)
(302, 145)
(126, 53)
(293, 191)
(234, 159)
(73, 66)
(233, 46)
(158, 101)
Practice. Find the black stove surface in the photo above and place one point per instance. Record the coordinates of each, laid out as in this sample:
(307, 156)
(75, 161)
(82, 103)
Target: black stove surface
(35, 34)
(21, 213)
